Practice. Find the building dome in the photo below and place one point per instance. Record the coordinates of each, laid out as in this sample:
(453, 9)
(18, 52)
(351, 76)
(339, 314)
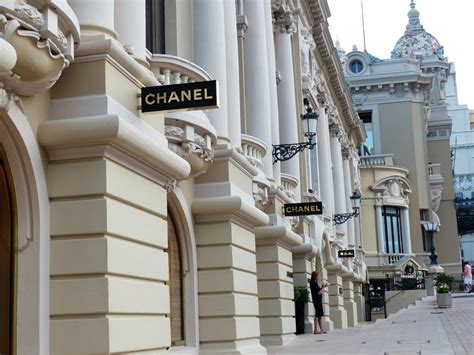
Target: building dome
(416, 41)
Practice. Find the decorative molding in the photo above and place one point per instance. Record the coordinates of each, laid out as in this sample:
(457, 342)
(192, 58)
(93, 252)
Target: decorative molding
(170, 185)
(284, 19)
(41, 31)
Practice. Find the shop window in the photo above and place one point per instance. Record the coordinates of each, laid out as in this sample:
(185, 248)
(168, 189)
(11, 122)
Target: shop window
(155, 26)
(393, 230)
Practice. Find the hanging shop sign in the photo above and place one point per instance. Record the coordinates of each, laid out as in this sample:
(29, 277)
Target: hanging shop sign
(347, 253)
(180, 97)
(303, 209)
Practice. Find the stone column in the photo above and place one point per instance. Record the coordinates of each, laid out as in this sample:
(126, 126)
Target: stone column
(209, 40)
(285, 28)
(349, 303)
(337, 311)
(226, 256)
(338, 178)
(275, 284)
(257, 89)
(130, 23)
(406, 231)
(109, 258)
(348, 194)
(270, 41)
(324, 161)
(233, 87)
(302, 269)
(95, 17)
(360, 301)
(380, 229)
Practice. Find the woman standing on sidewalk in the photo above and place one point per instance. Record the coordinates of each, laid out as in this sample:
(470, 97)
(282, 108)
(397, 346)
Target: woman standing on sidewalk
(317, 296)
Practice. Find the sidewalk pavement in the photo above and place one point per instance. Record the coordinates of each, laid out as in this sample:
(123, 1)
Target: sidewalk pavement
(421, 329)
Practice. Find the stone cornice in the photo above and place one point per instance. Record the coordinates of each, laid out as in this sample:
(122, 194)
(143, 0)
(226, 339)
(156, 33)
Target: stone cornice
(329, 57)
(112, 51)
(150, 147)
(218, 208)
(277, 233)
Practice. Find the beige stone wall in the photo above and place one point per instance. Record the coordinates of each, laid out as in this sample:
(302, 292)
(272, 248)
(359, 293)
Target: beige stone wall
(109, 264)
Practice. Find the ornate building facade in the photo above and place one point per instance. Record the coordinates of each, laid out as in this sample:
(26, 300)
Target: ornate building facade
(125, 232)
(405, 161)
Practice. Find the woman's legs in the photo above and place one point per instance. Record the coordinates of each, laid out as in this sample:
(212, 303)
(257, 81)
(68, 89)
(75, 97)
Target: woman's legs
(316, 325)
(320, 324)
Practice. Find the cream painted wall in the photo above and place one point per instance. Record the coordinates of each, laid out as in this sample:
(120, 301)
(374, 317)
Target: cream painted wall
(404, 127)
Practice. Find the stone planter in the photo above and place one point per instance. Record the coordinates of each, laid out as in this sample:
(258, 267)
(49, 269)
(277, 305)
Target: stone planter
(444, 300)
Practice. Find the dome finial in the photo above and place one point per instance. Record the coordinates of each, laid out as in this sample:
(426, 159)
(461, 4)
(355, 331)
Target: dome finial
(413, 18)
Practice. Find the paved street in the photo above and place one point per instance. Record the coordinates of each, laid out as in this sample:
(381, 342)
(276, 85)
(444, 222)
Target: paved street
(421, 329)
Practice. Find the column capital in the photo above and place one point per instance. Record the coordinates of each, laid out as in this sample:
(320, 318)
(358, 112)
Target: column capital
(242, 25)
(284, 18)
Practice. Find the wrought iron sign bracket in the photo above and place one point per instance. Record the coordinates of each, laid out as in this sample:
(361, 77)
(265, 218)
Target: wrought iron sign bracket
(283, 152)
(342, 218)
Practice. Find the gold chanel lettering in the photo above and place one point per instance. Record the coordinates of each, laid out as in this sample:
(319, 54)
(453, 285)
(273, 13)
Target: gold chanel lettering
(178, 96)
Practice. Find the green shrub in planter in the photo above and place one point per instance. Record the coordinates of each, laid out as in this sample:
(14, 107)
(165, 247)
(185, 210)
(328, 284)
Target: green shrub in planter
(301, 294)
(443, 282)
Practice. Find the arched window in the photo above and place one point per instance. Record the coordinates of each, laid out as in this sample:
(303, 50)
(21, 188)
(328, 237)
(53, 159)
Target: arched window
(6, 262)
(356, 66)
(175, 285)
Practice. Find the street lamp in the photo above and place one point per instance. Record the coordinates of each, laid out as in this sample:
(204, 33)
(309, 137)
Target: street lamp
(283, 152)
(431, 228)
(341, 218)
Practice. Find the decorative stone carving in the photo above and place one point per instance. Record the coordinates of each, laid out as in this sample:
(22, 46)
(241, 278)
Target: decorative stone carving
(29, 14)
(172, 131)
(392, 191)
(294, 222)
(194, 148)
(308, 66)
(260, 194)
(6, 99)
(170, 185)
(283, 17)
(43, 48)
(436, 193)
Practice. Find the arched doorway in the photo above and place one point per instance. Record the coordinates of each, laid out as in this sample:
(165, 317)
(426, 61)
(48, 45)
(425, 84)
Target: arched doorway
(7, 246)
(175, 284)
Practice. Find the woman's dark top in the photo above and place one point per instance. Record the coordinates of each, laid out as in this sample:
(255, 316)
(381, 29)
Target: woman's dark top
(317, 298)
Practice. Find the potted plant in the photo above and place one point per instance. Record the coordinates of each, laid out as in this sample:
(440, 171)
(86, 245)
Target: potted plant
(301, 294)
(443, 288)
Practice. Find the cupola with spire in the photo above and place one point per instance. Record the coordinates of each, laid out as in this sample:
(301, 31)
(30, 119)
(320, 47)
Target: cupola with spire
(416, 41)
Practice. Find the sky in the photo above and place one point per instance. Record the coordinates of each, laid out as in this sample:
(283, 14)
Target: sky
(385, 22)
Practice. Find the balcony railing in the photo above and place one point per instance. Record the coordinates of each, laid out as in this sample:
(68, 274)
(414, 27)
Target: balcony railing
(169, 69)
(254, 150)
(289, 184)
(434, 169)
(375, 160)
